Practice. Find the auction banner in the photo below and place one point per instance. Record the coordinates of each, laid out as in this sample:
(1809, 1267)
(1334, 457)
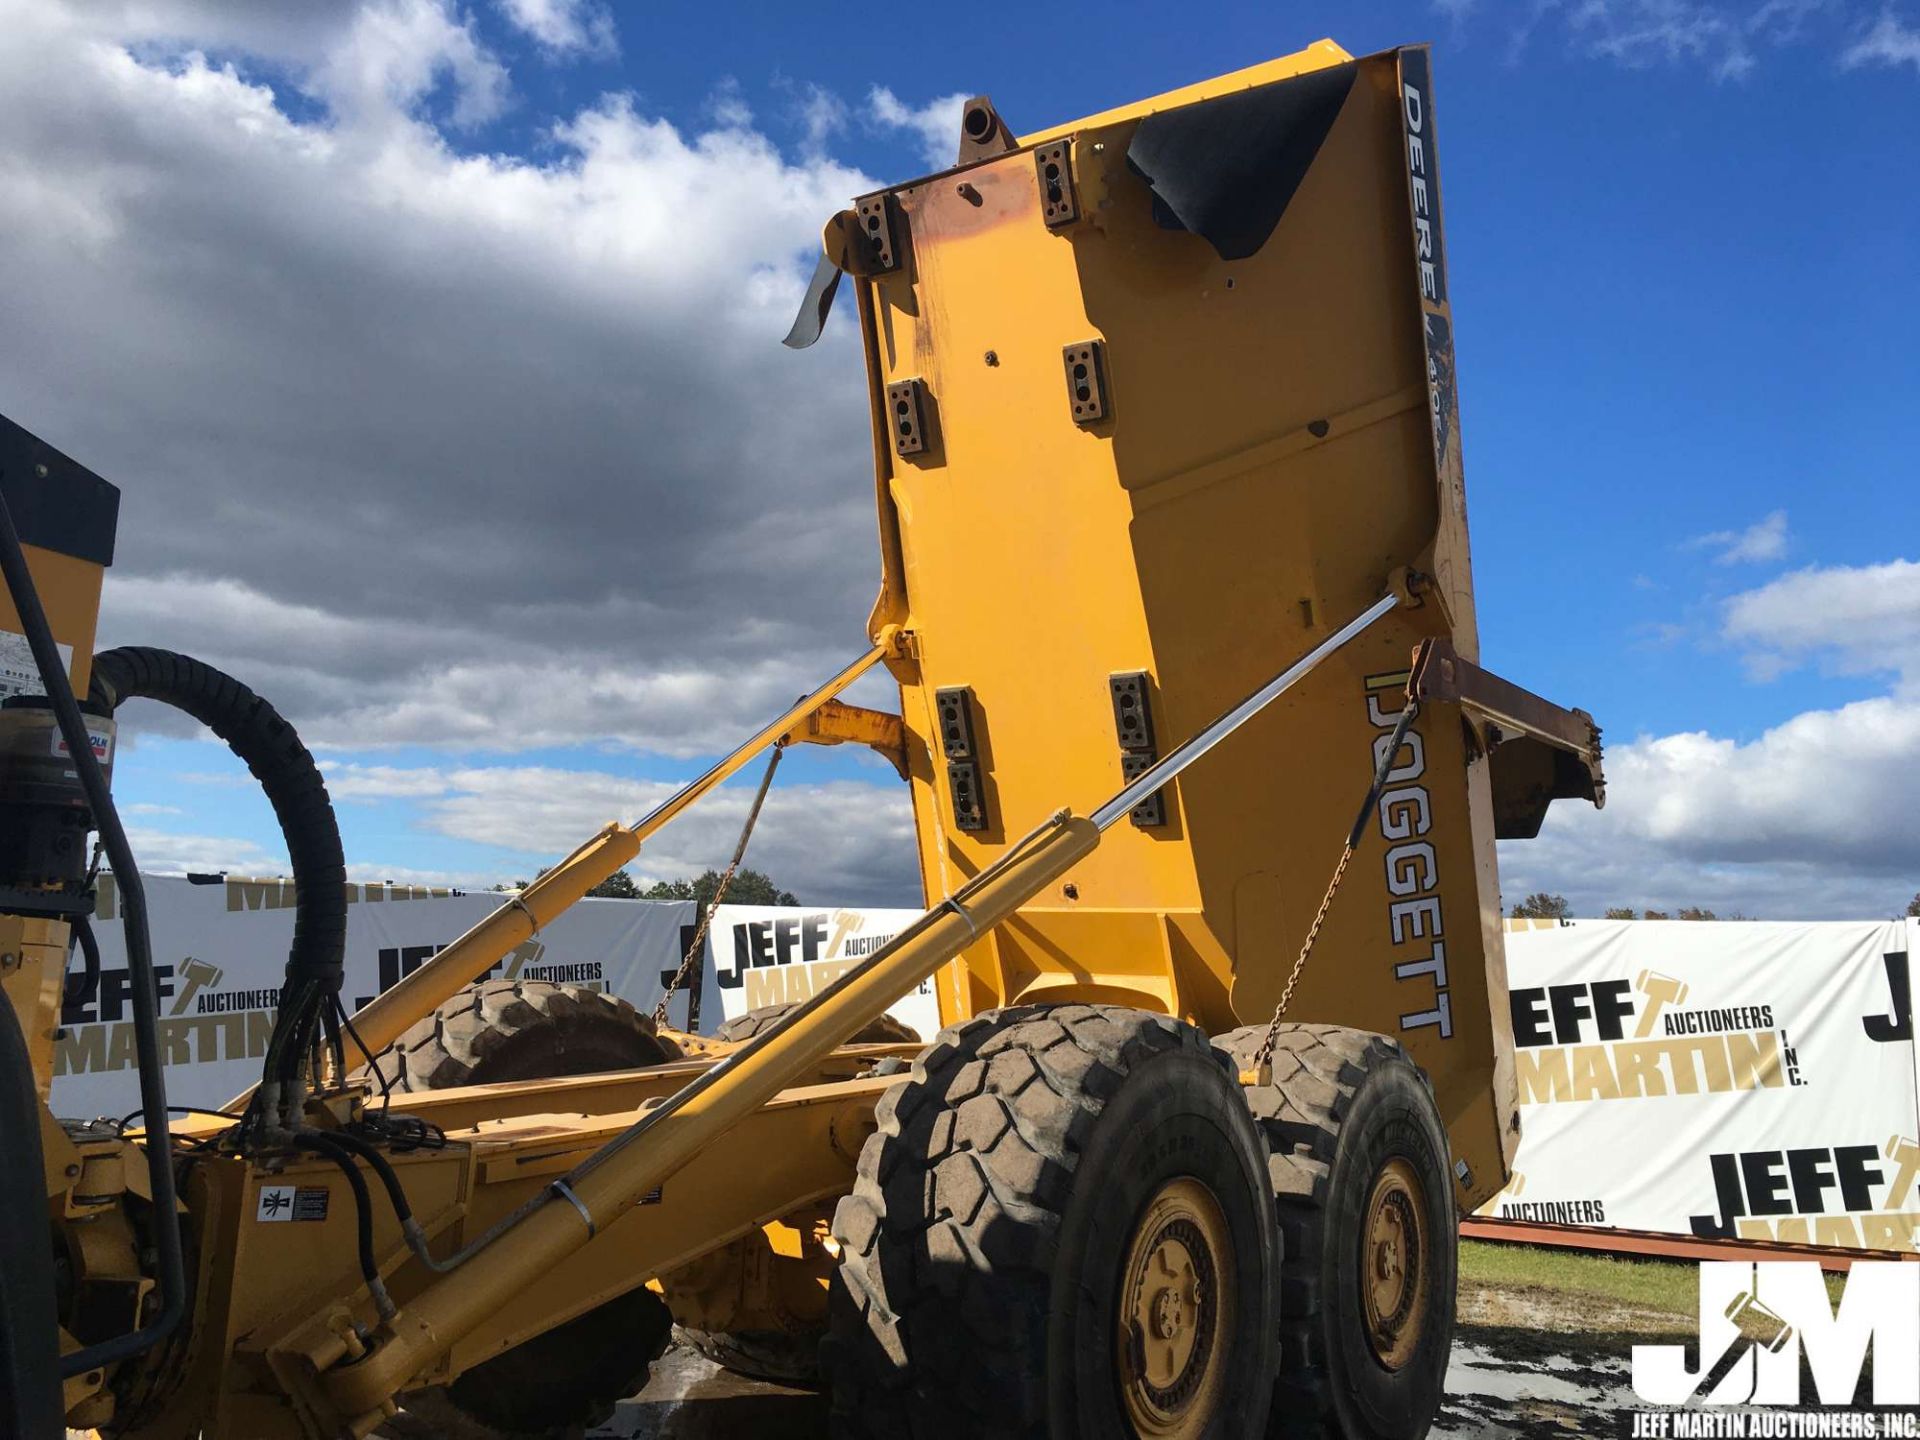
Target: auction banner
(762, 955)
(1716, 1079)
(220, 951)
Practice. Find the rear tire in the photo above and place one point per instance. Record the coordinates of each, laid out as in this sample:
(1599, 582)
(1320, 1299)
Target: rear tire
(568, 1379)
(1366, 1209)
(1062, 1218)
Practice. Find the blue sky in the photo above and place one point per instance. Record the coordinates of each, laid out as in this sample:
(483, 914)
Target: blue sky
(1683, 268)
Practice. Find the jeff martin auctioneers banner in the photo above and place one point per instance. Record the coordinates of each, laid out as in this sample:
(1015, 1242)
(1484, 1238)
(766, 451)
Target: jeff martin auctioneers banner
(1728, 1078)
(1724, 1079)
(220, 951)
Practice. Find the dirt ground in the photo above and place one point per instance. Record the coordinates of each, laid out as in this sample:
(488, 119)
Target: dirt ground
(1528, 1364)
(1493, 1391)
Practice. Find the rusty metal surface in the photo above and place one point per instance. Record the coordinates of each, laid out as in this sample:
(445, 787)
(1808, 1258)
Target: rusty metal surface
(1441, 673)
(1663, 1247)
(983, 134)
(837, 723)
(1539, 752)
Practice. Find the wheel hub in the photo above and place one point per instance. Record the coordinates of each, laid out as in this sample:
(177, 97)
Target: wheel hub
(1174, 1313)
(1394, 1276)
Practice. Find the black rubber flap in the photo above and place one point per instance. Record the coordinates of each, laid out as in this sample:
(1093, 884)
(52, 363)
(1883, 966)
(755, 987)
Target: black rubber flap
(1226, 169)
(815, 306)
(57, 503)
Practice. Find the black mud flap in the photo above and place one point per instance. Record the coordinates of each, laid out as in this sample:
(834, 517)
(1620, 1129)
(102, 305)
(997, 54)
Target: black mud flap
(1226, 169)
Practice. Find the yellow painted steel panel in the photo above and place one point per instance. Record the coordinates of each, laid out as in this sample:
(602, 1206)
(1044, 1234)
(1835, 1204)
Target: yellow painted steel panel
(1279, 441)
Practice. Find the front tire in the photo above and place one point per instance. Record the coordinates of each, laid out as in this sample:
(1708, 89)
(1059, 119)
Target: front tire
(1365, 1204)
(556, 1386)
(521, 1030)
(881, 1030)
(1060, 1228)
(564, 1381)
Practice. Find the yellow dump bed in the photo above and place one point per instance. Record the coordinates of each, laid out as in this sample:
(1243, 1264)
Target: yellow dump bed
(1162, 398)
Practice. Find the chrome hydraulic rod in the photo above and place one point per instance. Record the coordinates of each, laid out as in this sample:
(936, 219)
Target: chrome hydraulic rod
(1184, 754)
(609, 1182)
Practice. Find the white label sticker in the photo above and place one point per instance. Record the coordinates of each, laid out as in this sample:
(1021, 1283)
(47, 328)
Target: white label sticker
(292, 1202)
(102, 744)
(18, 674)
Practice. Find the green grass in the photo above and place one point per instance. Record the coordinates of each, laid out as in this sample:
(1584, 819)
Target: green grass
(1668, 1286)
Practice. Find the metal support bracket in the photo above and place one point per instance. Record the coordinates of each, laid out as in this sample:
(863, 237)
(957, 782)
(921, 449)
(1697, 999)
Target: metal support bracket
(837, 723)
(1053, 166)
(954, 706)
(983, 134)
(906, 414)
(1538, 751)
(1087, 380)
(1133, 723)
(876, 215)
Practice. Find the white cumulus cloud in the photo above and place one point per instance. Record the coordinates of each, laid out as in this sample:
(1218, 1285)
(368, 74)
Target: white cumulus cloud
(1889, 42)
(936, 124)
(1811, 819)
(565, 27)
(1765, 539)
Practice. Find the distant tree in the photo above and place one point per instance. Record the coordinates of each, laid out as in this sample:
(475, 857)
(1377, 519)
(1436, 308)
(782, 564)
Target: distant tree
(1621, 912)
(506, 885)
(1913, 907)
(1542, 906)
(749, 887)
(1655, 915)
(1694, 912)
(617, 886)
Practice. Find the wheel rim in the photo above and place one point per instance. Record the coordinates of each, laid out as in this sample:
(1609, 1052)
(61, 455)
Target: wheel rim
(1394, 1270)
(1175, 1310)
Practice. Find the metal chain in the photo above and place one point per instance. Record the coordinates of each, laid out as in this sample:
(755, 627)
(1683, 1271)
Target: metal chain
(719, 890)
(1263, 1057)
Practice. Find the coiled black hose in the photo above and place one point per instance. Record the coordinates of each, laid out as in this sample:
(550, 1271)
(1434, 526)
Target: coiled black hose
(273, 752)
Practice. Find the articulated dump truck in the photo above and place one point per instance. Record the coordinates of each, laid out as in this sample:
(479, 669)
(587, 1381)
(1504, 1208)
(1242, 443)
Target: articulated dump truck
(1206, 778)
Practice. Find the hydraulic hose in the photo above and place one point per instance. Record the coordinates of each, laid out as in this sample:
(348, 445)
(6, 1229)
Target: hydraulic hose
(273, 752)
(146, 998)
(82, 928)
(329, 1146)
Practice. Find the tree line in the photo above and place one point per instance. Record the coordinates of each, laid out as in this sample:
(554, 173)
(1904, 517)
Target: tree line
(749, 887)
(1542, 906)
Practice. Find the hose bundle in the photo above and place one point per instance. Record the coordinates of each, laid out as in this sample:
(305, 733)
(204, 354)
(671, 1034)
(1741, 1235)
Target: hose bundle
(306, 1023)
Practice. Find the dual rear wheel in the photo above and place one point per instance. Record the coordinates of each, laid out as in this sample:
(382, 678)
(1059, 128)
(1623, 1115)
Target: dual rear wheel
(1073, 1220)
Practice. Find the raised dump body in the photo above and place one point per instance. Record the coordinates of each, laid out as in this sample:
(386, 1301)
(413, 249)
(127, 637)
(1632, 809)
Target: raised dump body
(1163, 397)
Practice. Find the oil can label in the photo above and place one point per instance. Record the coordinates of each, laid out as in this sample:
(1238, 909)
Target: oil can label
(292, 1202)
